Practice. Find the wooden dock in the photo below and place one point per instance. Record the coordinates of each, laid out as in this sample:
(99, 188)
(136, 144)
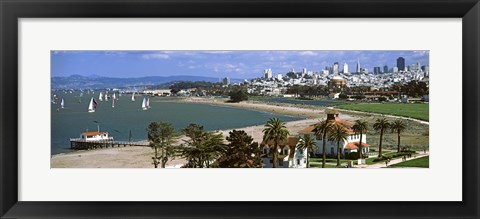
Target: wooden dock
(81, 144)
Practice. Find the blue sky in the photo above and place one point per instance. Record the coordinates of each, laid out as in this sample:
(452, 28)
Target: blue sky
(233, 64)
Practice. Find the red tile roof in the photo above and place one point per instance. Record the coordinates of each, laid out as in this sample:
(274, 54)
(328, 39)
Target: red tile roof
(93, 133)
(354, 145)
(346, 124)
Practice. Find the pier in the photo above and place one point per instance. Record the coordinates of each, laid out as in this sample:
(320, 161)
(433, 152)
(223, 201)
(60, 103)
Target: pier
(82, 144)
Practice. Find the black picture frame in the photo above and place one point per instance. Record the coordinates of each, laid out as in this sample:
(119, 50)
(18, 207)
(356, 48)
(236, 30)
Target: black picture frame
(12, 10)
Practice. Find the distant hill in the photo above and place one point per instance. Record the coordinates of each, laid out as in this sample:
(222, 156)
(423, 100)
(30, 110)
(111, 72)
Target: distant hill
(99, 82)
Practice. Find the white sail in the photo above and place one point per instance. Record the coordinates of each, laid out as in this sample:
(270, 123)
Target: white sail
(106, 96)
(92, 106)
(113, 97)
(62, 104)
(100, 97)
(133, 96)
(148, 103)
(144, 104)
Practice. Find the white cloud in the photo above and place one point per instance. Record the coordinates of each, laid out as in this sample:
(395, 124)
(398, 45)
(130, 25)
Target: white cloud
(155, 56)
(217, 52)
(308, 53)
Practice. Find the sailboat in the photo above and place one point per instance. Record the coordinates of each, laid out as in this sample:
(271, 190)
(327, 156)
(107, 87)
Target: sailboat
(114, 97)
(113, 103)
(100, 97)
(62, 104)
(133, 96)
(92, 106)
(144, 104)
(148, 103)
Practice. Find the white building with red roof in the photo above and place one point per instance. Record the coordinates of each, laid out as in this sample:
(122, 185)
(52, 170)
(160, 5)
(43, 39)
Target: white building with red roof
(289, 155)
(95, 136)
(352, 143)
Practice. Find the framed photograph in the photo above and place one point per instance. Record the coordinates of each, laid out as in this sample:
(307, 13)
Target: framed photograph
(231, 109)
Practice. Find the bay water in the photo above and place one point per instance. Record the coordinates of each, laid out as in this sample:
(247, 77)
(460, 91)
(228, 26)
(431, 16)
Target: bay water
(128, 116)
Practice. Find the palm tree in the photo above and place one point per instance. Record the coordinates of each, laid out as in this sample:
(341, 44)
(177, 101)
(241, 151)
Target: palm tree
(360, 127)
(275, 130)
(398, 126)
(321, 130)
(309, 143)
(338, 133)
(381, 124)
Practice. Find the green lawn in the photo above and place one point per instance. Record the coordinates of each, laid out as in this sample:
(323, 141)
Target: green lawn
(326, 166)
(412, 110)
(370, 160)
(328, 160)
(419, 162)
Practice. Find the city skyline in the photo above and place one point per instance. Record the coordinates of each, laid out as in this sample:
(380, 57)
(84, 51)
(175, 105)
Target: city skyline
(233, 64)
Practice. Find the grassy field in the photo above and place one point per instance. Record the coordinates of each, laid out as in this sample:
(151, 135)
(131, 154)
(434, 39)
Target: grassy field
(416, 111)
(326, 166)
(370, 160)
(419, 162)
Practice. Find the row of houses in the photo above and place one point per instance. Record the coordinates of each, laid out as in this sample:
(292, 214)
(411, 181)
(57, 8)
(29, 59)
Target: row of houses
(290, 156)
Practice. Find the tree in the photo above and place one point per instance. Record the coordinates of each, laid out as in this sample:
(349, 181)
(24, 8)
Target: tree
(238, 95)
(160, 136)
(309, 143)
(380, 125)
(321, 130)
(360, 127)
(275, 130)
(339, 134)
(240, 152)
(202, 148)
(398, 126)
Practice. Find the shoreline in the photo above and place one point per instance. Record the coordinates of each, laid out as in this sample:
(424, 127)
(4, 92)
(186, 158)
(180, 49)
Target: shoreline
(140, 157)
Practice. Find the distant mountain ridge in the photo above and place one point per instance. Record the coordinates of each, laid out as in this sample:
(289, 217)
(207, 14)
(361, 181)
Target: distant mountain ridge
(100, 82)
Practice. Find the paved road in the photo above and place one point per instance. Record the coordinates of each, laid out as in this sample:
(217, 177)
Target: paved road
(380, 164)
(393, 161)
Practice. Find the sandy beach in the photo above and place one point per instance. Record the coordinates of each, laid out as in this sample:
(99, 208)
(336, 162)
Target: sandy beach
(140, 157)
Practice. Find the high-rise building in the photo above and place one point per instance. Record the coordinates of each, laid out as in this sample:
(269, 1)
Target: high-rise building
(385, 69)
(426, 69)
(376, 70)
(395, 69)
(401, 64)
(359, 70)
(335, 68)
(267, 73)
(279, 76)
(345, 68)
(304, 71)
(414, 67)
(226, 81)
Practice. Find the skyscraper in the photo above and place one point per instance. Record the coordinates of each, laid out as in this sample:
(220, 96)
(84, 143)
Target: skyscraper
(226, 80)
(401, 64)
(426, 69)
(385, 69)
(335, 68)
(268, 73)
(359, 70)
(376, 70)
(345, 68)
